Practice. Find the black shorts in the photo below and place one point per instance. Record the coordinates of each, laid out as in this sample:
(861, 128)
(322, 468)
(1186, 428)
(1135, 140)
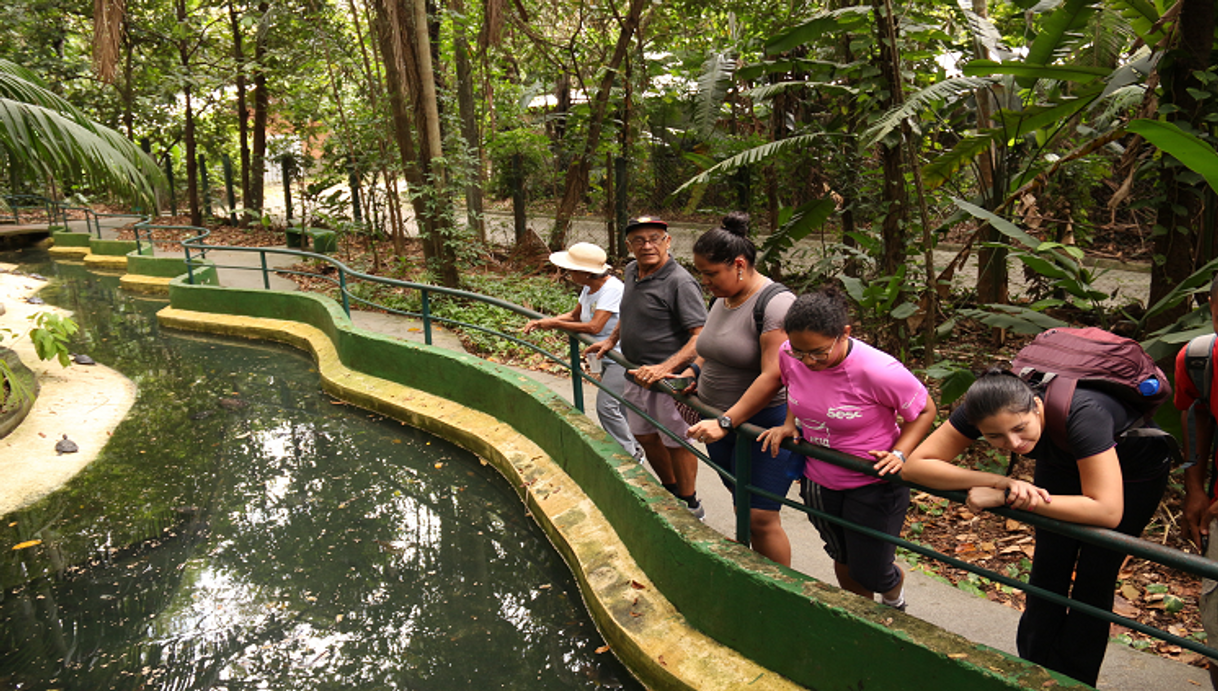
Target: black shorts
(880, 506)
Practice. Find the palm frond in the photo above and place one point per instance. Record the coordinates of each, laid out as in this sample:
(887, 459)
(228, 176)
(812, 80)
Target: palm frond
(947, 91)
(1058, 31)
(945, 166)
(756, 154)
(769, 91)
(1142, 16)
(45, 140)
(985, 34)
(713, 83)
(830, 21)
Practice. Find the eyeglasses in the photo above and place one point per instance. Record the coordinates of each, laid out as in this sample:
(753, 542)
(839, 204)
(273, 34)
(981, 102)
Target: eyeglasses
(819, 355)
(640, 241)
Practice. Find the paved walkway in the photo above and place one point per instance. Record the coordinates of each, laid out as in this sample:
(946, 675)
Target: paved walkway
(944, 605)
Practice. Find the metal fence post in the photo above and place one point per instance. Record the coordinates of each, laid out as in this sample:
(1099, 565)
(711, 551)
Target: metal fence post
(577, 379)
(228, 184)
(206, 182)
(266, 276)
(342, 288)
(173, 197)
(744, 477)
(426, 318)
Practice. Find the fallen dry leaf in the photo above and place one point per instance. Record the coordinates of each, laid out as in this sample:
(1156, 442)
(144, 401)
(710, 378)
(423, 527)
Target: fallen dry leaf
(27, 543)
(602, 649)
(637, 586)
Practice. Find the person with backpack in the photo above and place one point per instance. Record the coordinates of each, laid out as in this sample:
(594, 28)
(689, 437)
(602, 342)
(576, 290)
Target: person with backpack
(1198, 410)
(736, 370)
(856, 399)
(1088, 470)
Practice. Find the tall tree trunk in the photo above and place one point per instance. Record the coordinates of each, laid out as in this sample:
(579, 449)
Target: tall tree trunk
(192, 167)
(469, 124)
(402, 30)
(257, 197)
(894, 194)
(128, 91)
(577, 173)
(243, 119)
(1179, 215)
(992, 278)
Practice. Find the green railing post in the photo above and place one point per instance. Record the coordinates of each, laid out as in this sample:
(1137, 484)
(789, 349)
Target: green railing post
(741, 494)
(342, 288)
(190, 267)
(577, 379)
(426, 318)
(266, 276)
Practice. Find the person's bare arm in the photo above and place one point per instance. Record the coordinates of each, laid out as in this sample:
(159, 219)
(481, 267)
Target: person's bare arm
(759, 393)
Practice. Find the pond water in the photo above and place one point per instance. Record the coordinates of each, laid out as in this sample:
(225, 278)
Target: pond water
(242, 530)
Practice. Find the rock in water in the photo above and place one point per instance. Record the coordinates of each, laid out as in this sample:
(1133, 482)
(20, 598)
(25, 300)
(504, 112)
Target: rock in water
(66, 445)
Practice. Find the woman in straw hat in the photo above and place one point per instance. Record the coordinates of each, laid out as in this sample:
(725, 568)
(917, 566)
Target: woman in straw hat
(596, 313)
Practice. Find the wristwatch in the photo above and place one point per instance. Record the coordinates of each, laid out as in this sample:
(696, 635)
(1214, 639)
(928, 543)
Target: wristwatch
(726, 423)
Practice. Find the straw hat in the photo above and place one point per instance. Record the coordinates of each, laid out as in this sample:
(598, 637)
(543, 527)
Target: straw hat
(582, 256)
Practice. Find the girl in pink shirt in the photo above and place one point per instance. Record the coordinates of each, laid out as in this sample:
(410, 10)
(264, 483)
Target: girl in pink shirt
(846, 395)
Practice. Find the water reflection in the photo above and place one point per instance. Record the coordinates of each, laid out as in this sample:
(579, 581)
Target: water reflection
(242, 530)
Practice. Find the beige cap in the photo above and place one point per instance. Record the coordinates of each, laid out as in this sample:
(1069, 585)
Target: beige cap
(582, 256)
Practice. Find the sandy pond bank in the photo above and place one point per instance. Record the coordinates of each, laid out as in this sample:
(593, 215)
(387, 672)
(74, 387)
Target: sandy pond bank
(84, 402)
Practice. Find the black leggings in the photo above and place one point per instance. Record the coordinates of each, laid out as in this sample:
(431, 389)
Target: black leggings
(1053, 635)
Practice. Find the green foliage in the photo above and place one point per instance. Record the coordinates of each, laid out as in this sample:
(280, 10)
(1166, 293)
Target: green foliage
(954, 381)
(532, 147)
(50, 336)
(534, 292)
(1190, 150)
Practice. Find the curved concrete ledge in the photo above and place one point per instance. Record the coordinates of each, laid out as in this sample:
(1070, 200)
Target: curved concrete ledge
(743, 621)
(641, 625)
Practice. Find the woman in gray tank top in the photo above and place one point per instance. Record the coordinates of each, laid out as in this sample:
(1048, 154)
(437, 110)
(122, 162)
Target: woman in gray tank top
(737, 371)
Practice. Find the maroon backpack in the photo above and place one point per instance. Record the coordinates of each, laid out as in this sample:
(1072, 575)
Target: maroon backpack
(1059, 360)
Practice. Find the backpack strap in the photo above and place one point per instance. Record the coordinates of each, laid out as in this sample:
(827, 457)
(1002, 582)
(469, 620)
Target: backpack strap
(763, 300)
(1059, 394)
(1199, 363)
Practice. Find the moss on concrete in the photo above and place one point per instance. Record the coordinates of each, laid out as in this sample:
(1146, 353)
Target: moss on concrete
(716, 614)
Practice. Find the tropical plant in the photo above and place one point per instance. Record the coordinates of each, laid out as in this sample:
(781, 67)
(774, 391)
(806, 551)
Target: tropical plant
(45, 137)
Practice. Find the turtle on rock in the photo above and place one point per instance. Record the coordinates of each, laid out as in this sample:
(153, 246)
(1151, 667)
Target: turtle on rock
(35, 301)
(82, 359)
(66, 445)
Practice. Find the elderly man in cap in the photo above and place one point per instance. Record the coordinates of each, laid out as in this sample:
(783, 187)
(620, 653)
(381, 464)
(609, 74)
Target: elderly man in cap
(662, 313)
(596, 313)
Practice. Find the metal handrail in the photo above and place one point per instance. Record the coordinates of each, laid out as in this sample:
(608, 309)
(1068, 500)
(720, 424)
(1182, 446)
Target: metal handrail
(744, 488)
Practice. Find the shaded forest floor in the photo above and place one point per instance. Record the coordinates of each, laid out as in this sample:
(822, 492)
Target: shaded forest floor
(1146, 592)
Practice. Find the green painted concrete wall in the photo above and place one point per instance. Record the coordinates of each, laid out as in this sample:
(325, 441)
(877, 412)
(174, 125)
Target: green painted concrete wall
(163, 267)
(66, 239)
(810, 632)
(112, 248)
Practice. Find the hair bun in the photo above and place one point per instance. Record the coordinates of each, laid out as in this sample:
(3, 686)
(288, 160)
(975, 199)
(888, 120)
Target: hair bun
(737, 223)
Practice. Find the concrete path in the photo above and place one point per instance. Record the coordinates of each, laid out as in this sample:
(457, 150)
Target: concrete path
(975, 618)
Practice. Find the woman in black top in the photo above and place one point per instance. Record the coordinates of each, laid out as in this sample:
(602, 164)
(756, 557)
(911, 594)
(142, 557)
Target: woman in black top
(1096, 481)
